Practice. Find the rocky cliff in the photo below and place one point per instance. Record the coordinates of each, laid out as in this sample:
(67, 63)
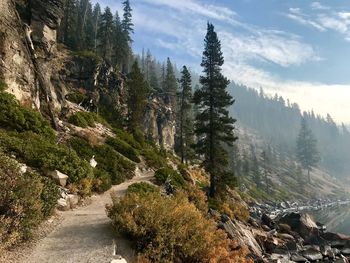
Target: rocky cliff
(40, 74)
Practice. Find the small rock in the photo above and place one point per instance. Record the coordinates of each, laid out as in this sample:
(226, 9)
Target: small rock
(73, 200)
(286, 236)
(59, 177)
(298, 258)
(63, 204)
(265, 228)
(23, 168)
(93, 162)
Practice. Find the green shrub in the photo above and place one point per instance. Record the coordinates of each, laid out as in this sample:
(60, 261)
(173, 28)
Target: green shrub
(102, 182)
(87, 54)
(112, 162)
(170, 229)
(77, 97)
(142, 188)
(38, 152)
(49, 196)
(124, 148)
(3, 85)
(153, 158)
(82, 147)
(15, 117)
(162, 174)
(20, 202)
(86, 119)
(127, 137)
(109, 162)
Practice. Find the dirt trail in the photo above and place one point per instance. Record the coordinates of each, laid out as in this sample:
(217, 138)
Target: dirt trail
(85, 234)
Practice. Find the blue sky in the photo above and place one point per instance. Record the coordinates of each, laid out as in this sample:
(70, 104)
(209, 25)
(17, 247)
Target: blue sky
(297, 48)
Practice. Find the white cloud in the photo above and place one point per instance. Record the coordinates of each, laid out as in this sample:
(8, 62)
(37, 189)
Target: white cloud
(318, 6)
(267, 46)
(334, 23)
(193, 6)
(323, 19)
(304, 21)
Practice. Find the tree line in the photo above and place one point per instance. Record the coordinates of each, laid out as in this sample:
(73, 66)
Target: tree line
(279, 123)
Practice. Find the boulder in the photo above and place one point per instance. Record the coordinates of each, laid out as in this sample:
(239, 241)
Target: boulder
(243, 234)
(336, 239)
(284, 228)
(59, 177)
(312, 254)
(285, 237)
(303, 224)
(297, 258)
(324, 249)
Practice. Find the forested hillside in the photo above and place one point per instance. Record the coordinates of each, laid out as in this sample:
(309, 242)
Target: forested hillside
(278, 121)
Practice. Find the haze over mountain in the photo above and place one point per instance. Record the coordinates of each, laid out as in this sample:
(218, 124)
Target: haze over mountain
(294, 48)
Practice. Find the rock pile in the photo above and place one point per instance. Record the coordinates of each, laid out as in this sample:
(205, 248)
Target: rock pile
(295, 237)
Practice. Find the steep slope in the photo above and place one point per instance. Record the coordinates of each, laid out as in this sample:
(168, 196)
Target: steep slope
(283, 180)
(41, 74)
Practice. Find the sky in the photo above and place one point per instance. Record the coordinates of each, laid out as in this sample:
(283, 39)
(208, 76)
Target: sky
(299, 49)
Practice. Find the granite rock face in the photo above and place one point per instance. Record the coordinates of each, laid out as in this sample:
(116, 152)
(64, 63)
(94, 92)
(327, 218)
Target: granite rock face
(40, 75)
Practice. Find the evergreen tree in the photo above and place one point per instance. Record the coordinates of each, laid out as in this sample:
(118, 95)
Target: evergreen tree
(307, 153)
(105, 35)
(265, 159)
(214, 127)
(236, 162)
(127, 24)
(185, 117)
(137, 98)
(84, 26)
(170, 84)
(96, 16)
(68, 28)
(154, 81)
(255, 170)
(121, 46)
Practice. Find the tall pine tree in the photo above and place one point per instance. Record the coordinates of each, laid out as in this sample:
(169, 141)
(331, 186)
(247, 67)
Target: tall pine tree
(170, 84)
(185, 136)
(105, 34)
(137, 98)
(96, 16)
(307, 153)
(214, 127)
(121, 46)
(68, 28)
(127, 24)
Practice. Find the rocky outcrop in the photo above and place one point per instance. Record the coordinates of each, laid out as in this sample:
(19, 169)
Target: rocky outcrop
(40, 76)
(286, 239)
(159, 123)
